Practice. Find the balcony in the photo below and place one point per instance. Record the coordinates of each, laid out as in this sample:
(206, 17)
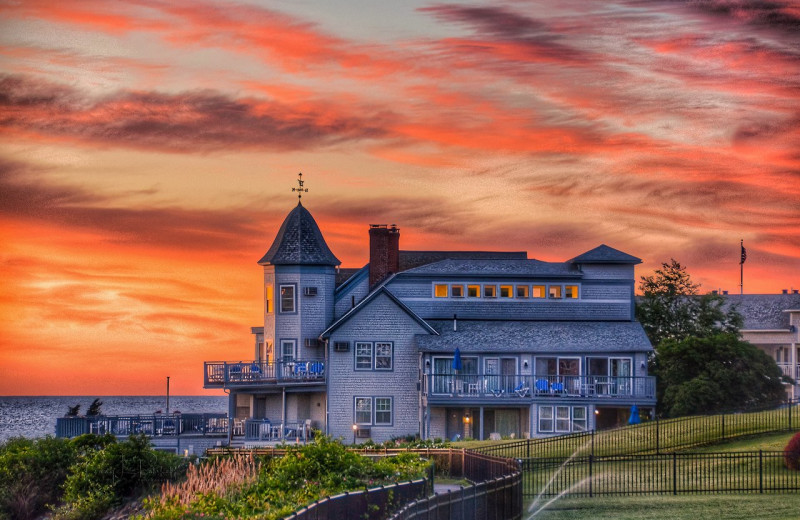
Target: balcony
(792, 371)
(223, 374)
(472, 387)
(157, 425)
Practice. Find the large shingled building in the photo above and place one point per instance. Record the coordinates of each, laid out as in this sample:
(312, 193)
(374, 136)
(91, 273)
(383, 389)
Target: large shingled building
(436, 343)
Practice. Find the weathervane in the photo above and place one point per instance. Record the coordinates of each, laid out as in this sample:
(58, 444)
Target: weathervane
(300, 190)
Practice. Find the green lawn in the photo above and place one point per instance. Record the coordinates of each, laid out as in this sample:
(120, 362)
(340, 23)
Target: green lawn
(688, 507)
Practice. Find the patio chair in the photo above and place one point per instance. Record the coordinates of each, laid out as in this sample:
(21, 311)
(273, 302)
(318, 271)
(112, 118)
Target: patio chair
(557, 387)
(542, 386)
(522, 389)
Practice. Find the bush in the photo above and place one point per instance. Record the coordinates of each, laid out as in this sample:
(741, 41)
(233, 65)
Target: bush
(791, 453)
(31, 474)
(106, 477)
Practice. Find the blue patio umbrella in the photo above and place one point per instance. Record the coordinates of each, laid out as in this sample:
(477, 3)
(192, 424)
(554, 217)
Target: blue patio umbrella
(457, 360)
(634, 419)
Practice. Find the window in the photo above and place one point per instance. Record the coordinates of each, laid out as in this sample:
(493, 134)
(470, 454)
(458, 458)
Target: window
(383, 410)
(506, 291)
(474, 291)
(363, 356)
(562, 418)
(440, 290)
(545, 418)
(555, 291)
(457, 291)
(579, 423)
(268, 296)
(490, 291)
(538, 291)
(287, 298)
(287, 350)
(571, 291)
(522, 291)
(383, 356)
(363, 410)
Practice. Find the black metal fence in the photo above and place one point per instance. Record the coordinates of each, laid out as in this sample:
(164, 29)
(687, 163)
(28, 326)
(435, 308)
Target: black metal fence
(496, 493)
(659, 474)
(372, 504)
(657, 436)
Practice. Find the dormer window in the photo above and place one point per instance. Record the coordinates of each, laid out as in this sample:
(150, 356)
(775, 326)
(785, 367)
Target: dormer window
(571, 291)
(506, 291)
(474, 291)
(457, 291)
(538, 291)
(490, 291)
(554, 291)
(440, 290)
(522, 291)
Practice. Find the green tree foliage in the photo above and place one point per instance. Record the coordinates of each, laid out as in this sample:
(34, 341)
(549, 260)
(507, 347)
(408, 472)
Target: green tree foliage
(73, 411)
(31, 474)
(120, 470)
(671, 308)
(716, 373)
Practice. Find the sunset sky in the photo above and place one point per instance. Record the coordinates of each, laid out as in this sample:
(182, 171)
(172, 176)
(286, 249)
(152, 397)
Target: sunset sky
(149, 149)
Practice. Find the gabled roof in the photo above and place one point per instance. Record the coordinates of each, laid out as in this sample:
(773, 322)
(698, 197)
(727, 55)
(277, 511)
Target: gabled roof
(764, 311)
(299, 242)
(603, 254)
(496, 267)
(536, 336)
(381, 289)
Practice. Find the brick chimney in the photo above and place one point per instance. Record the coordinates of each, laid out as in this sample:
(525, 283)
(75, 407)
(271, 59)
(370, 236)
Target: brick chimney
(384, 252)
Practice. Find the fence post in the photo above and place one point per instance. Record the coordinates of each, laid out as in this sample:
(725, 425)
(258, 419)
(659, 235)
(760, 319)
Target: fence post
(591, 459)
(790, 415)
(592, 452)
(674, 473)
(723, 427)
(529, 440)
(760, 471)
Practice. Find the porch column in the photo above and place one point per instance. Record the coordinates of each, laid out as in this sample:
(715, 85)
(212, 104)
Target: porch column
(283, 415)
(231, 415)
(480, 433)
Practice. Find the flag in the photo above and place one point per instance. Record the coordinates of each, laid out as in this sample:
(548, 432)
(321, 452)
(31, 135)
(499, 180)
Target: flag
(744, 254)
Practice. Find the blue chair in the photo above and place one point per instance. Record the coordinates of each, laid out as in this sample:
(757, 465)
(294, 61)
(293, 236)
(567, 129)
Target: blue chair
(557, 387)
(522, 389)
(542, 386)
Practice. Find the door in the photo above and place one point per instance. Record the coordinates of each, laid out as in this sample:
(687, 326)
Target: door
(620, 372)
(491, 367)
(508, 369)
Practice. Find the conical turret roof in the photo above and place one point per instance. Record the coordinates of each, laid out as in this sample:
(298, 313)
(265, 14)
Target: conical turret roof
(299, 242)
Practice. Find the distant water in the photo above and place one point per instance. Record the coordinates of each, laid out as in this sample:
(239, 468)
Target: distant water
(36, 416)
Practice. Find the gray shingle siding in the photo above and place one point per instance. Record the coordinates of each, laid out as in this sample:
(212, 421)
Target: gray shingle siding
(382, 320)
(605, 272)
(313, 313)
(356, 291)
(482, 308)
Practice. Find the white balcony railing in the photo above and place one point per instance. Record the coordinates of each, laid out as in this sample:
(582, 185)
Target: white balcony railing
(218, 373)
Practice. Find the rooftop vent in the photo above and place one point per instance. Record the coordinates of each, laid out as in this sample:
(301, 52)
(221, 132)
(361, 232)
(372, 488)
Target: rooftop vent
(786, 291)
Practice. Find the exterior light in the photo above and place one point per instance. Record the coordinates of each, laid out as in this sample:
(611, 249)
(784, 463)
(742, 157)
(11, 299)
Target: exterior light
(355, 427)
(597, 412)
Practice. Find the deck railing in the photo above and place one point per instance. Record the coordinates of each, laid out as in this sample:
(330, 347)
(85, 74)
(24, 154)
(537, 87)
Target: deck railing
(790, 370)
(243, 373)
(156, 425)
(463, 386)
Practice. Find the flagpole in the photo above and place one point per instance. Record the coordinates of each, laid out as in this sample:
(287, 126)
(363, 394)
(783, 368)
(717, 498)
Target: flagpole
(741, 268)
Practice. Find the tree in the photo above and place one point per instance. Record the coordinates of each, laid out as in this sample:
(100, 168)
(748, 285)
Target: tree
(671, 308)
(714, 374)
(72, 411)
(95, 408)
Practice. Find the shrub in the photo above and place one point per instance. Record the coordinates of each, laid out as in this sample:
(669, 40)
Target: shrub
(31, 475)
(791, 454)
(106, 477)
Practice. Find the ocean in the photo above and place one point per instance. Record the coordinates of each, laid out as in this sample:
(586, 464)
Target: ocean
(35, 417)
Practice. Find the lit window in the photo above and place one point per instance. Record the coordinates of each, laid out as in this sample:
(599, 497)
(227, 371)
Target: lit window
(506, 291)
(383, 356)
(571, 291)
(363, 410)
(268, 295)
(474, 291)
(363, 356)
(538, 291)
(555, 291)
(383, 410)
(287, 298)
(490, 291)
(522, 291)
(440, 290)
(457, 291)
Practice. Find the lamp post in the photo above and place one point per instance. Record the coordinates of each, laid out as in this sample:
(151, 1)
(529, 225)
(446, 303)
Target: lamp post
(355, 427)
